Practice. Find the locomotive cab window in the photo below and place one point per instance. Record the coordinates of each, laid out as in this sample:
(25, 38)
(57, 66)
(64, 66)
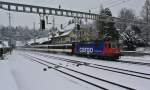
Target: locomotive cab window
(107, 45)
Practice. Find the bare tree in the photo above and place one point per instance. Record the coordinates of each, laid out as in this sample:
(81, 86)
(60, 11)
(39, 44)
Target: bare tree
(146, 18)
(145, 13)
(126, 14)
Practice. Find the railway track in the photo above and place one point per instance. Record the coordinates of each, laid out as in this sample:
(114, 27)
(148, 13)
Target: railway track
(136, 59)
(102, 67)
(62, 69)
(134, 62)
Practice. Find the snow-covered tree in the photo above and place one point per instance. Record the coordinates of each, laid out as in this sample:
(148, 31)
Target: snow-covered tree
(107, 28)
(125, 14)
(132, 37)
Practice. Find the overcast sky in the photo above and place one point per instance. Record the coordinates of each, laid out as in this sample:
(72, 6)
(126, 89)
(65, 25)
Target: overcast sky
(24, 19)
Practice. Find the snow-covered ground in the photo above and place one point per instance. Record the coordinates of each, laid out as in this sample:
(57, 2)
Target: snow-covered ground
(123, 79)
(30, 76)
(145, 59)
(24, 74)
(138, 68)
(7, 82)
(134, 82)
(143, 50)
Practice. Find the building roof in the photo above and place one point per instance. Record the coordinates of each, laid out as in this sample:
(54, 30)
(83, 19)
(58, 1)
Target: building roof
(39, 40)
(66, 31)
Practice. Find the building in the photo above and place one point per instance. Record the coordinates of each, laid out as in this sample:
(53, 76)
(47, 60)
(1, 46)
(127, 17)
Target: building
(71, 34)
(66, 36)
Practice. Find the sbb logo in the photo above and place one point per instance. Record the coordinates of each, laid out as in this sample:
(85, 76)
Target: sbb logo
(86, 50)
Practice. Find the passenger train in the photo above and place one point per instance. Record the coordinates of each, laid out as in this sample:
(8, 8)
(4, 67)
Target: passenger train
(105, 49)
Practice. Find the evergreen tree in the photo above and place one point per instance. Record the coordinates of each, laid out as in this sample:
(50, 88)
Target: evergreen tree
(109, 28)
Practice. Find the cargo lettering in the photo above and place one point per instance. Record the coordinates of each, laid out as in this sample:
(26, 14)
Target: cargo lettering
(86, 50)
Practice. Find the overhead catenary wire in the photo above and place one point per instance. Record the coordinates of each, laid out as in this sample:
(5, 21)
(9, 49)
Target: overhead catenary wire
(77, 14)
(119, 3)
(114, 4)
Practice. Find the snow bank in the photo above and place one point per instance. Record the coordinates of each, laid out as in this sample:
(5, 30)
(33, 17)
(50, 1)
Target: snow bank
(143, 50)
(20, 43)
(4, 44)
(1, 45)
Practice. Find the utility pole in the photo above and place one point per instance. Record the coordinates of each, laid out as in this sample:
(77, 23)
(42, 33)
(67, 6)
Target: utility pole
(147, 12)
(53, 27)
(10, 37)
(78, 32)
(34, 32)
(102, 30)
(53, 22)
(147, 17)
(9, 20)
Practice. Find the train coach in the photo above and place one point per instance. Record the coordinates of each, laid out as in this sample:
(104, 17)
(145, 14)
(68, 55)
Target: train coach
(105, 49)
(62, 48)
